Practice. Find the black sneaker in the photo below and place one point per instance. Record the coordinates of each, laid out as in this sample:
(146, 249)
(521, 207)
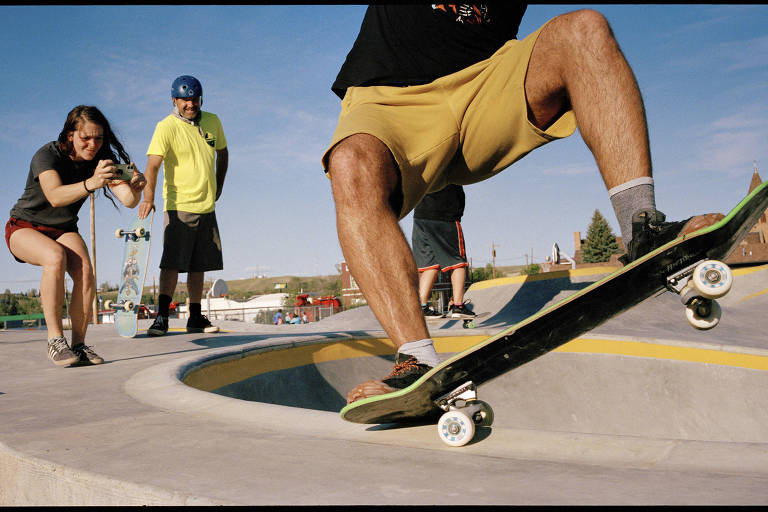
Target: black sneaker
(461, 311)
(159, 327)
(86, 354)
(407, 370)
(200, 323)
(650, 231)
(430, 314)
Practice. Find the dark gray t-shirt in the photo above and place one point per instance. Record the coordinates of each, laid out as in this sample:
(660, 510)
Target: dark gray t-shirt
(32, 206)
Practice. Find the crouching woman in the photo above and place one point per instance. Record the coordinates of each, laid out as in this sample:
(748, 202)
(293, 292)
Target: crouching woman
(43, 231)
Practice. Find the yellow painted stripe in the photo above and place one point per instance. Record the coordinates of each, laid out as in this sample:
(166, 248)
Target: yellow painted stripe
(228, 372)
(748, 270)
(502, 281)
(670, 352)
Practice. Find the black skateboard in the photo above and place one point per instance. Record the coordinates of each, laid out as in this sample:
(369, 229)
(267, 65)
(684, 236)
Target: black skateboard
(687, 266)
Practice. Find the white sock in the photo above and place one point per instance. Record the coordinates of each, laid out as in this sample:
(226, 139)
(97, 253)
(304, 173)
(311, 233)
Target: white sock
(423, 350)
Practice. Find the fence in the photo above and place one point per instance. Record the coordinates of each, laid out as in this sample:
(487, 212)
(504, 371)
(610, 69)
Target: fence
(35, 320)
(265, 315)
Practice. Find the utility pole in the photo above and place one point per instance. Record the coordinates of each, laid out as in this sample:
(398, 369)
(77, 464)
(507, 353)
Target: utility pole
(493, 260)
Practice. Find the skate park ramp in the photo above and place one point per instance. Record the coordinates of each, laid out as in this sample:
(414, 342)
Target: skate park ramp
(642, 409)
(646, 373)
(499, 302)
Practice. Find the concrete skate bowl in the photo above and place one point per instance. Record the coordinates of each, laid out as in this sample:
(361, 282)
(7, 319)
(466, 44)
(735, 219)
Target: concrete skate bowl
(619, 387)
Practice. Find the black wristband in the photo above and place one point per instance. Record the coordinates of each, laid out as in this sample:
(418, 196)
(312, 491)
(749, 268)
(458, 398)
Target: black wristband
(86, 186)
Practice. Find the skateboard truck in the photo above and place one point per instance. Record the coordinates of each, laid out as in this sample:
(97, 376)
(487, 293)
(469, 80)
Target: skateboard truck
(698, 286)
(457, 426)
(133, 235)
(127, 305)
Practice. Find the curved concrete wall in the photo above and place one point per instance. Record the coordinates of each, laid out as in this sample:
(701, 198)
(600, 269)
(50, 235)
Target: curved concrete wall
(594, 386)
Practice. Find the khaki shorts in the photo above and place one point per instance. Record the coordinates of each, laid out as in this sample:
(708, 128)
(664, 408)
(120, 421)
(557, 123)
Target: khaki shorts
(461, 128)
(191, 242)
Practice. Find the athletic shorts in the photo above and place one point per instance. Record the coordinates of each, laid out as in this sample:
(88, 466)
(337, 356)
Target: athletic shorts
(191, 242)
(461, 128)
(14, 224)
(438, 244)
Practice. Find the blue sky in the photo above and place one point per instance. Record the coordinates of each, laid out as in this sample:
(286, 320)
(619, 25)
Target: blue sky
(266, 72)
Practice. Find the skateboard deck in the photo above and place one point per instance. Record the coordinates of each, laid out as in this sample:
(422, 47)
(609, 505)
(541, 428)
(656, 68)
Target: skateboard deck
(132, 273)
(679, 266)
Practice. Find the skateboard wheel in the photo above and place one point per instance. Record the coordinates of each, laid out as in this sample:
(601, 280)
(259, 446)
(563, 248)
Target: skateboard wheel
(107, 304)
(139, 232)
(712, 279)
(456, 428)
(118, 233)
(703, 314)
(128, 305)
(468, 324)
(481, 413)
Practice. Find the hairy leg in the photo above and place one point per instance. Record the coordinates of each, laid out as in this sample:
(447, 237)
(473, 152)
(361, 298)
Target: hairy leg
(363, 176)
(577, 63)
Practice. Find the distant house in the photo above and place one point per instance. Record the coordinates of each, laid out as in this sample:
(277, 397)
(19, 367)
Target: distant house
(754, 248)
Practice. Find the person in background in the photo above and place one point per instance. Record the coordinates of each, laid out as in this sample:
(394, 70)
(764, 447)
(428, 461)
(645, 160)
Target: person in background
(438, 246)
(190, 143)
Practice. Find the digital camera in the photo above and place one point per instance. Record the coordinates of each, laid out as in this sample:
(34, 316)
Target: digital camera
(124, 171)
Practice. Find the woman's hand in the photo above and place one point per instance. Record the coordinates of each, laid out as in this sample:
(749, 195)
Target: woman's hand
(138, 181)
(102, 175)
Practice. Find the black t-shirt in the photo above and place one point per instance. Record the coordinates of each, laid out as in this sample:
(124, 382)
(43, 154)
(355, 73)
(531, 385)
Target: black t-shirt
(33, 206)
(416, 44)
(445, 204)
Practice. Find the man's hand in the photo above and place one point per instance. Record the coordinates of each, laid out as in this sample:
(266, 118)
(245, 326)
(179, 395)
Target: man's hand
(144, 208)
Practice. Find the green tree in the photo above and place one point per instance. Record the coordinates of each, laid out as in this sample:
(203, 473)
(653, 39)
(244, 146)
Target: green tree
(533, 268)
(601, 242)
(482, 274)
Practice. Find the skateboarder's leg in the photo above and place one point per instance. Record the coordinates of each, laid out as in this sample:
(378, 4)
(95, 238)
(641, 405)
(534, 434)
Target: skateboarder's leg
(577, 63)
(363, 177)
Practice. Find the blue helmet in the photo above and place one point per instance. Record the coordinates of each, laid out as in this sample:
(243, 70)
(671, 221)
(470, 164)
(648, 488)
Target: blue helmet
(186, 86)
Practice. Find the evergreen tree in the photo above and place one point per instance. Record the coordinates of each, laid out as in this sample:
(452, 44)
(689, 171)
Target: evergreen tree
(600, 242)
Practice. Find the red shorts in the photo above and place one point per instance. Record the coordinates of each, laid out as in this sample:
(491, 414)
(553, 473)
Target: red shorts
(53, 233)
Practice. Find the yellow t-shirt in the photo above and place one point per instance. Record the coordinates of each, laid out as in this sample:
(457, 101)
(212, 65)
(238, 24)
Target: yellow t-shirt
(189, 161)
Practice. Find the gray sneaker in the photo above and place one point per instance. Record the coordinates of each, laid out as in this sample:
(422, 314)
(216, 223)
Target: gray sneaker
(86, 354)
(60, 353)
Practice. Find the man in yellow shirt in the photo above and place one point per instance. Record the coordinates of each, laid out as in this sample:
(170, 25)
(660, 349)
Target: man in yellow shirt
(191, 145)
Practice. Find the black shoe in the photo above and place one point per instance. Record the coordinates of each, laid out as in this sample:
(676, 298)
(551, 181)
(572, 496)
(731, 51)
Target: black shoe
(86, 354)
(461, 311)
(407, 370)
(430, 314)
(200, 323)
(159, 327)
(649, 231)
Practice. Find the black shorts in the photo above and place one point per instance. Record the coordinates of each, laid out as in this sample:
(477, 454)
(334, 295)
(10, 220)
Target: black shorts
(191, 242)
(438, 244)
